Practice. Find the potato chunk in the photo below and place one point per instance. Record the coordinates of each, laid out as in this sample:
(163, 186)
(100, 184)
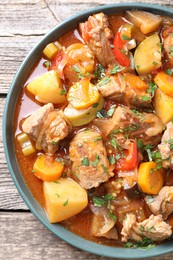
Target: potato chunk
(147, 56)
(47, 88)
(163, 105)
(147, 22)
(64, 199)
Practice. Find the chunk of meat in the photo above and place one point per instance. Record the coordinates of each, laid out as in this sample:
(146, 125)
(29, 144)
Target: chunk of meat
(118, 88)
(98, 35)
(154, 228)
(168, 44)
(46, 127)
(144, 126)
(161, 203)
(165, 146)
(90, 164)
(102, 225)
(34, 123)
(114, 186)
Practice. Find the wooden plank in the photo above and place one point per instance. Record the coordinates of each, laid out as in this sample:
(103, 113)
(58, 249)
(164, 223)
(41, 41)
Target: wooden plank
(9, 196)
(23, 237)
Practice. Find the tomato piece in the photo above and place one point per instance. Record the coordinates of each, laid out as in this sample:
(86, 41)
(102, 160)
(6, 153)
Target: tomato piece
(58, 63)
(119, 50)
(129, 161)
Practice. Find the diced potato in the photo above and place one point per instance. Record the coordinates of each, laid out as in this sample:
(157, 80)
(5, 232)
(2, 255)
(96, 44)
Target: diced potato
(147, 56)
(50, 50)
(164, 82)
(147, 22)
(47, 88)
(64, 199)
(83, 116)
(163, 105)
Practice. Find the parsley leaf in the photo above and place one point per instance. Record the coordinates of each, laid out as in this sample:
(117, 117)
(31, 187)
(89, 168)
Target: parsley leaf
(85, 161)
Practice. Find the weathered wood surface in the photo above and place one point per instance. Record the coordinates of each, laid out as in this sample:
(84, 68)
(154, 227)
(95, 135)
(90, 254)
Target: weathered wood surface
(22, 24)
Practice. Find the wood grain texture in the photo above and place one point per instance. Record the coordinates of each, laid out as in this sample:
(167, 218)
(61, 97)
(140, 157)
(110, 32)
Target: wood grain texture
(32, 241)
(22, 25)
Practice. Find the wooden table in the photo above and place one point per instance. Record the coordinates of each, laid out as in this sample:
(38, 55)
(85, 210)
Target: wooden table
(22, 25)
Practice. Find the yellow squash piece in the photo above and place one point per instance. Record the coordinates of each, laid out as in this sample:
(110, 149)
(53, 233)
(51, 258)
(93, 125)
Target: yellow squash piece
(147, 56)
(83, 94)
(64, 199)
(26, 144)
(47, 170)
(163, 105)
(147, 22)
(150, 180)
(164, 82)
(47, 88)
(83, 116)
(50, 50)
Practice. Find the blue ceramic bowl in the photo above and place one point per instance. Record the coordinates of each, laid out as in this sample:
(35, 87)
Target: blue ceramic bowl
(16, 175)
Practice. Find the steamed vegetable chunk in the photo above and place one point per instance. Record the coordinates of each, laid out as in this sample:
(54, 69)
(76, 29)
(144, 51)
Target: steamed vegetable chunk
(147, 55)
(147, 22)
(48, 88)
(64, 199)
(163, 105)
(83, 116)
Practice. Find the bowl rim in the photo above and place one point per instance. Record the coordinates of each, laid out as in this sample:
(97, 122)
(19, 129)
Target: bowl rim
(58, 230)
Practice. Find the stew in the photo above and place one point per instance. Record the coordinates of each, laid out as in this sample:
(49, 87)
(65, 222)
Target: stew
(93, 129)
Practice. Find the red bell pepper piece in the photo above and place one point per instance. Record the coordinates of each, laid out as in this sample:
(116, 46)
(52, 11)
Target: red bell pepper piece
(129, 161)
(58, 63)
(119, 50)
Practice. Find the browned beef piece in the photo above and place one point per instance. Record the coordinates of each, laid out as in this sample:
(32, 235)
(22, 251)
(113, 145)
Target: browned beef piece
(168, 43)
(154, 228)
(161, 203)
(90, 164)
(117, 88)
(99, 38)
(46, 127)
(165, 146)
(144, 126)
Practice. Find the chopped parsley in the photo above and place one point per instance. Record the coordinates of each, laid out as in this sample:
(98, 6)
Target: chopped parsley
(169, 72)
(115, 69)
(99, 72)
(151, 88)
(85, 161)
(125, 37)
(97, 160)
(104, 168)
(54, 143)
(97, 138)
(103, 82)
(101, 114)
(139, 144)
(112, 159)
(95, 105)
(145, 243)
(65, 203)
(136, 112)
(146, 98)
(150, 199)
(102, 201)
(80, 74)
(137, 67)
(114, 143)
(63, 92)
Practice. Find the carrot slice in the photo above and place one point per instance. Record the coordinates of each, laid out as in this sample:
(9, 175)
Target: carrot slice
(83, 94)
(150, 180)
(165, 83)
(135, 82)
(46, 170)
